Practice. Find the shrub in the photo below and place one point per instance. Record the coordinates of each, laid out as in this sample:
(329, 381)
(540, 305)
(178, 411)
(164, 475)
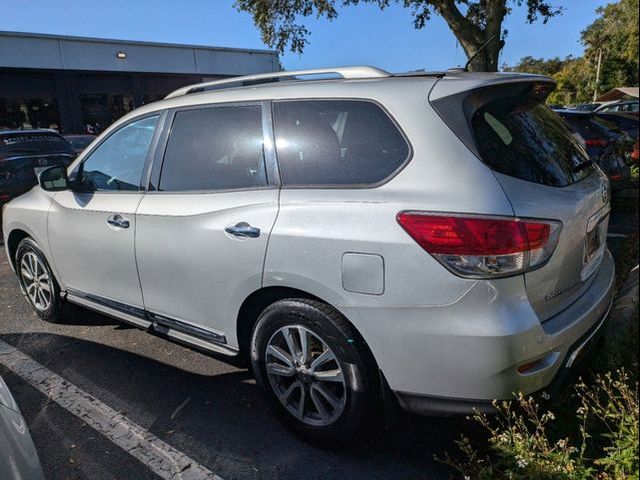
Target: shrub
(522, 446)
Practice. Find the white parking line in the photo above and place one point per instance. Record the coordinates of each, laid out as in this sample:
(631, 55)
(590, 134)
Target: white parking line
(617, 235)
(160, 457)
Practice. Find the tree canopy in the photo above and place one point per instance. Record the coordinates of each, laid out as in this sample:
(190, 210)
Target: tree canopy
(473, 22)
(615, 34)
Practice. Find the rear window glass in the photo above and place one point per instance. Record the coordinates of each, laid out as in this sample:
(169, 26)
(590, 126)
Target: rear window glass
(589, 126)
(336, 142)
(33, 144)
(79, 142)
(523, 138)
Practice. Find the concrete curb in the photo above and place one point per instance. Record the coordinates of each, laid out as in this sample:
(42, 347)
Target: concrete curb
(625, 306)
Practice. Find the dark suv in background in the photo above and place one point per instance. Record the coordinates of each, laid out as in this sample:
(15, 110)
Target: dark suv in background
(604, 142)
(24, 153)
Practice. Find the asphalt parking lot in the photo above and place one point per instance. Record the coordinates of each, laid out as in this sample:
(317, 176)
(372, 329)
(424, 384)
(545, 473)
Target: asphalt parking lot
(204, 408)
(209, 410)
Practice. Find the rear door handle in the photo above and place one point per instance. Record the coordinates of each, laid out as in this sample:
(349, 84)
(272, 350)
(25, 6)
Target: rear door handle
(243, 230)
(118, 221)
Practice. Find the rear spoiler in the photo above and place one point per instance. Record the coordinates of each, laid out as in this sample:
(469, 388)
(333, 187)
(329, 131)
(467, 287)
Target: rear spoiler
(455, 98)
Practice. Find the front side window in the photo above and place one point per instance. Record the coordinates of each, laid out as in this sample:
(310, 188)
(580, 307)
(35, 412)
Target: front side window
(336, 142)
(118, 163)
(218, 148)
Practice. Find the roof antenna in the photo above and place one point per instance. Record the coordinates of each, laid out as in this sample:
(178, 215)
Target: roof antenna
(473, 57)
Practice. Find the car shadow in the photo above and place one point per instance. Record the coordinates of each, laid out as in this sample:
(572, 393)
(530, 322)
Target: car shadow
(216, 414)
(80, 316)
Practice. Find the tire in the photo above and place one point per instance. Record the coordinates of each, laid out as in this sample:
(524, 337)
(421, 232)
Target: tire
(47, 304)
(344, 356)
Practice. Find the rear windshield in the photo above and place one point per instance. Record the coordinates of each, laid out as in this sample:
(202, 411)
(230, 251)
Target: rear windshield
(522, 138)
(80, 142)
(590, 127)
(33, 144)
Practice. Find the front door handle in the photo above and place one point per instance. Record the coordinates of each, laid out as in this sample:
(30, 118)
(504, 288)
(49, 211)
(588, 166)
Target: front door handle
(243, 230)
(118, 221)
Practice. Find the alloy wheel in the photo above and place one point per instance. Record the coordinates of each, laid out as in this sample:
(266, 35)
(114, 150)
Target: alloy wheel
(36, 281)
(305, 375)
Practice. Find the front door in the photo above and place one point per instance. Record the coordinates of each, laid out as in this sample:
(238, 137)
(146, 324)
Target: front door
(92, 228)
(201, 238)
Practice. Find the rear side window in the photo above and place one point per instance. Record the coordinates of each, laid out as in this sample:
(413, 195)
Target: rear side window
(336, 142)
(44, 143)
(522, 138)
(214, 149)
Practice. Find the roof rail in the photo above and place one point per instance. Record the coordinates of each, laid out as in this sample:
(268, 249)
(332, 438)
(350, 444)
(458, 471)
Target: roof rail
(344, 72)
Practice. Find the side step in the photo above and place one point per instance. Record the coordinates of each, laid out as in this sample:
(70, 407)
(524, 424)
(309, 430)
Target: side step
(210, 341)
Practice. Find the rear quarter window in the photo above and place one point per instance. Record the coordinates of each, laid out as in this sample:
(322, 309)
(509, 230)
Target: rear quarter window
(336, 142)
(522, 138)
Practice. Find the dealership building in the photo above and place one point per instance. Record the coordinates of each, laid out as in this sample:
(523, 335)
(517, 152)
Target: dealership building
(70, 83)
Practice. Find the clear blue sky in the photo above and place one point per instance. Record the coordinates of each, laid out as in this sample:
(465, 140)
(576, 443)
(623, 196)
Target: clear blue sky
(361, 34)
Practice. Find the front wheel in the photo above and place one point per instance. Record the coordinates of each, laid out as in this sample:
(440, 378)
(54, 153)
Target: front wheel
(317, 374)
(37, 281)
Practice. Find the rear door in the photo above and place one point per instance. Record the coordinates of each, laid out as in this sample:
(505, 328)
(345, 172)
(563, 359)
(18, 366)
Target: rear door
(554, 180)
(202, 233)
(546, 174)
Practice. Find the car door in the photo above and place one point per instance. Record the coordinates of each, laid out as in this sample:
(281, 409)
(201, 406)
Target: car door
(201, 234)
(92, 227)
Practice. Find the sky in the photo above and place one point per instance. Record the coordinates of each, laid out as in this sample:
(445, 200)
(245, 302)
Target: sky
(362, 35)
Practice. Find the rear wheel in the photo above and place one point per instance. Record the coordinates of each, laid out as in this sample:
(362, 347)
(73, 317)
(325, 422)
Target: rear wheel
(317, 374)
(37, 281)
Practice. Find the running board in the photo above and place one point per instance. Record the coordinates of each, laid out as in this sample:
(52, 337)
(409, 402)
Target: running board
(166, 327)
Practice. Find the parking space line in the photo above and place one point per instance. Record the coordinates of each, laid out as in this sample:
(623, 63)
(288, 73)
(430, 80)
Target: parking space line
(158, 456)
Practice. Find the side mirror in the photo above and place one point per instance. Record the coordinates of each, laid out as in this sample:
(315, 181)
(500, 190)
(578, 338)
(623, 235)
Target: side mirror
(54, 179)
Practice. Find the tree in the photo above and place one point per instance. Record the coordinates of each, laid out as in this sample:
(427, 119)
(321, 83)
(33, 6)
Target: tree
(473, 22)
(615, 34)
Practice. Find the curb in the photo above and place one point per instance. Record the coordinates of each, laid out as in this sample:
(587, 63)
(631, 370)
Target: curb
(625, 306)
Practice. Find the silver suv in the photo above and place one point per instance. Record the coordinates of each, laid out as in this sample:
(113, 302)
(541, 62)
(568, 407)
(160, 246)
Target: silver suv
(440, 236)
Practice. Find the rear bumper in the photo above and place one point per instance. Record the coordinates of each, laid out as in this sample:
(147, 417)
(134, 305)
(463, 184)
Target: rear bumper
(451, 358)
(443, 407)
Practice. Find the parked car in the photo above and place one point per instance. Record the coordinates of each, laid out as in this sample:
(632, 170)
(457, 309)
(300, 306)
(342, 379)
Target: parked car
(619, 106)
(79, 142)
(437, 237)
(25, 153)
(627, 122)
(604, 142)
(586, 107)
(18, 457)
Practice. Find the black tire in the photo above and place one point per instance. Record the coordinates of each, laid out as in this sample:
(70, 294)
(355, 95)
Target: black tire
(52, 313)
(360, 386)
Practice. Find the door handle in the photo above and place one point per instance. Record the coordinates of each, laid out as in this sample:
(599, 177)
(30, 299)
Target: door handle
(243, 230)
(118, 221)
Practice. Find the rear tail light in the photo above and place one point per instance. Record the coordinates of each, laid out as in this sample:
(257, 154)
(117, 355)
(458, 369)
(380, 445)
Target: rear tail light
(615, 177)
(483, 247)
(596, 142)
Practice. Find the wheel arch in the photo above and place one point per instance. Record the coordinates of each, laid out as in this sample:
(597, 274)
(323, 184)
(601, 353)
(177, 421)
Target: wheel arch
(255, 304)
(13, 240)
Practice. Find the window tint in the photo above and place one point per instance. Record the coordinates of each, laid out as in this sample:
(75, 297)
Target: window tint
(117, 164)
(335, 142)
(591, 126)
(522, 138)
(214, 148)
(582, 125)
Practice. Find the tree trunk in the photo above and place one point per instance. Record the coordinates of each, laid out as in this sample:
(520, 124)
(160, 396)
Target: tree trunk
(472, 37)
